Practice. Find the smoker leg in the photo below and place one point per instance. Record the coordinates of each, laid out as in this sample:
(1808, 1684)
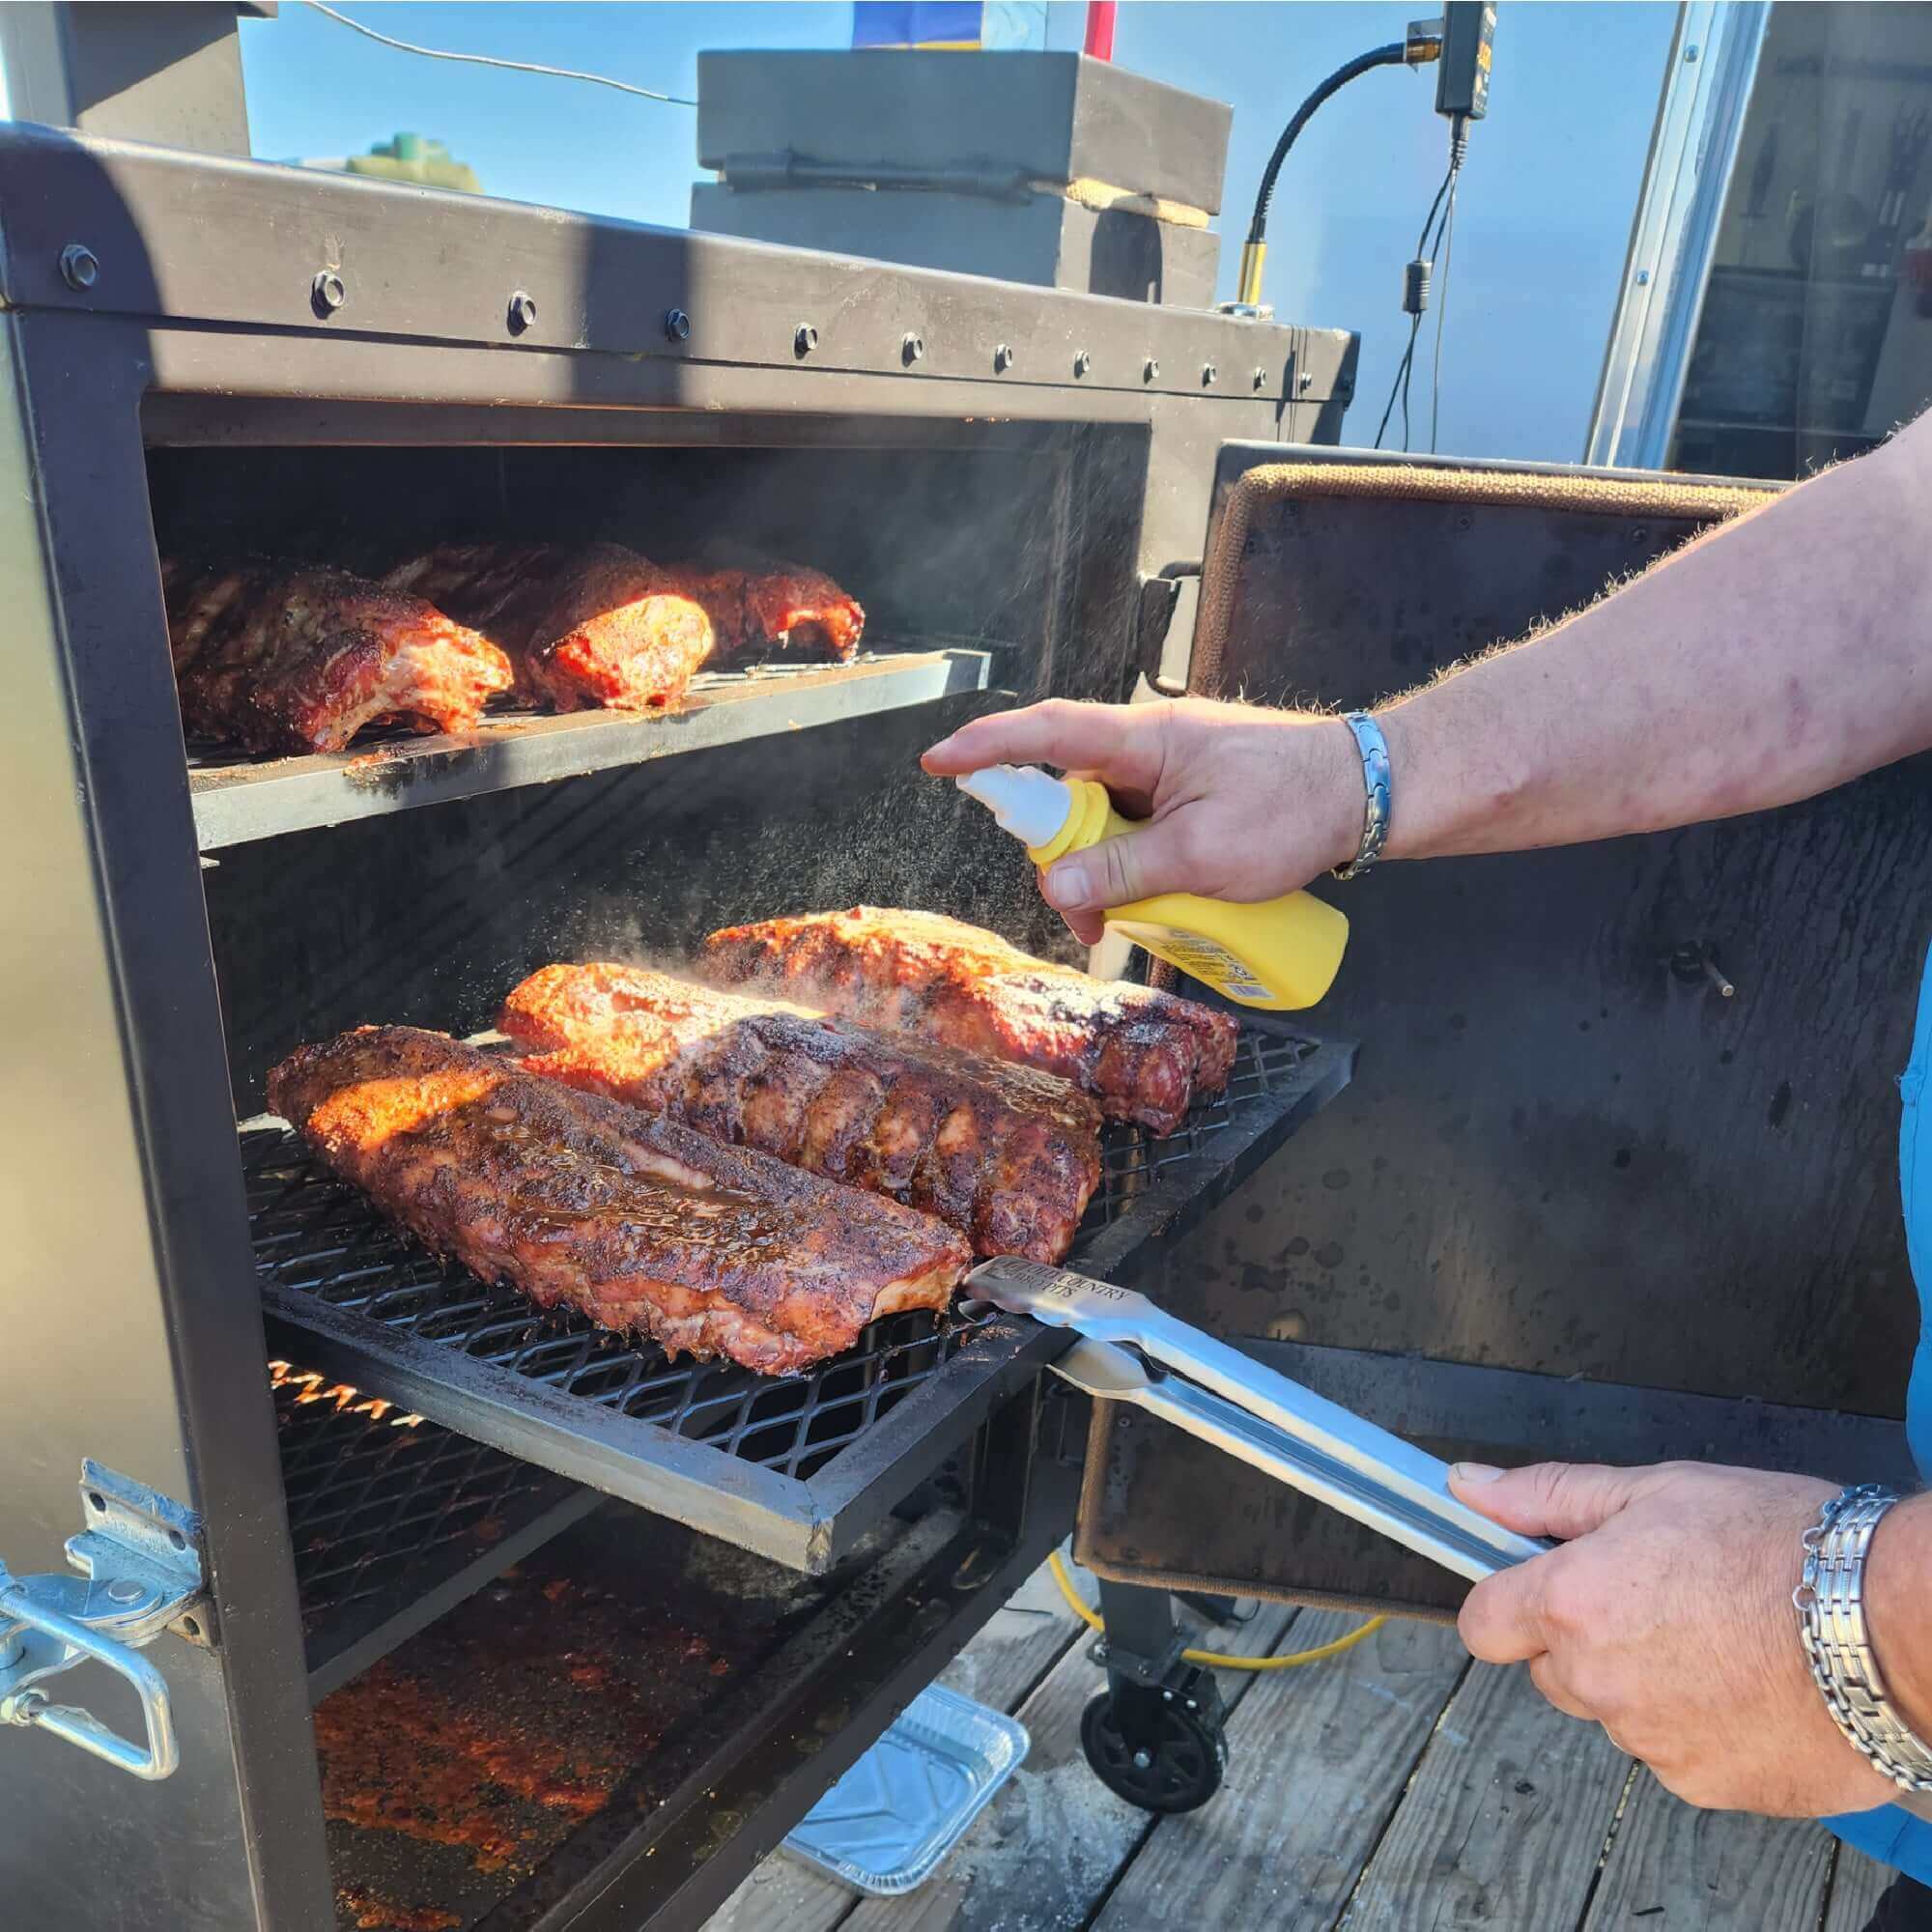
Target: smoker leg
(1154, 1735)
(1218, 1610)
(1142, 1640)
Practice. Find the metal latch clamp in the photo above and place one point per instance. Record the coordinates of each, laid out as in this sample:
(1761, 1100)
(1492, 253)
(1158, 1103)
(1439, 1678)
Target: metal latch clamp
(140, 1572)
(1130, 1351)
(1162, 599)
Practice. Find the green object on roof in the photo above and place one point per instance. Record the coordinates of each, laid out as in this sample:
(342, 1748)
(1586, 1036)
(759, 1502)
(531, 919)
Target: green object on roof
(416, 157)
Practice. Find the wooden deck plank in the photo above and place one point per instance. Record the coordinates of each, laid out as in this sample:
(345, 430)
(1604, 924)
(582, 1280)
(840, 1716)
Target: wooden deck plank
(1320, 1759)
(1671, 1868)
(1856, 1881)
(783, 1894)
(1041, 1856)
(1504, 1822)
(1018, 1646)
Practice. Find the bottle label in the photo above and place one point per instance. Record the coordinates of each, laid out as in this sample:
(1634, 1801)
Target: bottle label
(1209, 961)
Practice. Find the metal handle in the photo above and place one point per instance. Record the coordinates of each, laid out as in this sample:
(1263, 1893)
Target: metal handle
(72, 1721)
(1271, 1423)
(1442, 1529)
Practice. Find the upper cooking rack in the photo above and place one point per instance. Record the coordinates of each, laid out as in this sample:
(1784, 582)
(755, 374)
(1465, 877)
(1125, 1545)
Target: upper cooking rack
(795, 1468)
(239, 797)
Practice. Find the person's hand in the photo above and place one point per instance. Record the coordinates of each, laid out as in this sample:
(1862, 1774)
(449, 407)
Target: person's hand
(1666, 1618)
(1241, 803)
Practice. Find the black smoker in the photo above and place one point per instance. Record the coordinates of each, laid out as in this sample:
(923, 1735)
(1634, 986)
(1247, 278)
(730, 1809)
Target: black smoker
(543, 1707)
(211, 353)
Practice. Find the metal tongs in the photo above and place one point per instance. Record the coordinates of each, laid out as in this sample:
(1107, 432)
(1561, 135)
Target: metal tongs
(1129, 1350)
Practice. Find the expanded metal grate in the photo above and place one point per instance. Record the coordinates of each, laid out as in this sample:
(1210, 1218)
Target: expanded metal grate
(371, 1292)
(317, 1238)
(1134, 1161)
(384, 1507)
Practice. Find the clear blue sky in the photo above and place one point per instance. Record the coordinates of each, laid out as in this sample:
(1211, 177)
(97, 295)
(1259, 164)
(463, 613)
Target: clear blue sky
(1545, 202)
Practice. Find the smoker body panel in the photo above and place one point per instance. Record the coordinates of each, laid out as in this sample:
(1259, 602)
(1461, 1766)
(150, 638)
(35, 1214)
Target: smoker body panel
(1567, 1153)
(122, 1193)
(194, 238)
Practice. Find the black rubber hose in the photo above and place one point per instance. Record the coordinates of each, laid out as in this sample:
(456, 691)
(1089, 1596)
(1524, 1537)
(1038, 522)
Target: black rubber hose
(1395, 54)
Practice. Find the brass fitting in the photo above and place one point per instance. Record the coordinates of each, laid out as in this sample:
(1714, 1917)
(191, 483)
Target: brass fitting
(1253, 255)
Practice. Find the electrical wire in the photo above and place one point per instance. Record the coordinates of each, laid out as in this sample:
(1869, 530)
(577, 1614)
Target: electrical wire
(1401, 377)
(1424, 250)
(1444, 186)
(1395, 54)
(1441, 315)
(1459, 149)
(1290, 1661)
(492, 60)
(1407, 374)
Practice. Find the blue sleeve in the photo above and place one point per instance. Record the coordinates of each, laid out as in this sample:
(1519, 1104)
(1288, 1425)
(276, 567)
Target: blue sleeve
(1892, 1836)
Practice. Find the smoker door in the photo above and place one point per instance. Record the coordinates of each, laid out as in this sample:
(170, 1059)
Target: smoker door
(1581, 1200)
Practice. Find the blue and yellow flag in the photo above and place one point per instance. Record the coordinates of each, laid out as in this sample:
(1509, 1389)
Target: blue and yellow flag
(948, 23)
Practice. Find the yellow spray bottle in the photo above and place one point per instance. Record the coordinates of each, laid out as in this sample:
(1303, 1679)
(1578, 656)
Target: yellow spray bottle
(1279, 954)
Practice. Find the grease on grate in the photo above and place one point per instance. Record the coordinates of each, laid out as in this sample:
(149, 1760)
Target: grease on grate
(376, 1914)
(409, 1746)
(454, 1768)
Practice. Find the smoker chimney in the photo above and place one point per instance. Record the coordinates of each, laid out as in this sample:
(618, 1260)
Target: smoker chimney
(170, 74)
(1033, 167)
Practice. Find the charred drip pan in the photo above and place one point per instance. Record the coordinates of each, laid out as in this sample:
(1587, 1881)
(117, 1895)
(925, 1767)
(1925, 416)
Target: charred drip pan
(575, 1685)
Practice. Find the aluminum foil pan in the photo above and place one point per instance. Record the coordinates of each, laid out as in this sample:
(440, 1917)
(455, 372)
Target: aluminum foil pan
(888, 1822)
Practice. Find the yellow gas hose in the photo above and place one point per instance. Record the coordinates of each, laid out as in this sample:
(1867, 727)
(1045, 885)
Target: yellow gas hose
(1286, 1661)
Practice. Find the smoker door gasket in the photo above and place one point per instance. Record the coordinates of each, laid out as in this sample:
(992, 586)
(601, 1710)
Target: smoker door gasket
(392, 1520)
(794, 1468)
(238, 798)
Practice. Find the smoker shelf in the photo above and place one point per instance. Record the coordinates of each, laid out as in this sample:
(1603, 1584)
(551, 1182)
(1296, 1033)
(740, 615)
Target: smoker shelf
(238, 798)
(393, 1520)
(794, 1468)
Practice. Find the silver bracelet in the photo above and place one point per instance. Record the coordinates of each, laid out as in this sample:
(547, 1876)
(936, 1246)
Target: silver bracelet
(1379, 805)
(1829, 1601)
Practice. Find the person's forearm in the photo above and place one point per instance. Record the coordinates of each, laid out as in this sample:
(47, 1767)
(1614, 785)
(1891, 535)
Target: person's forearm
(1772, 660)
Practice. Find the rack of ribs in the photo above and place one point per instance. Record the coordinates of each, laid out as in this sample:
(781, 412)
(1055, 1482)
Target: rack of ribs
(1145, 1055)
(1006, 1154)
(786, 607)
(586, 625)
(286, 657)
(637, 1222)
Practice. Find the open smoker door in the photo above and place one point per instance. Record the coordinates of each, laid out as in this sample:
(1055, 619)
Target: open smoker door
(1616, 1179)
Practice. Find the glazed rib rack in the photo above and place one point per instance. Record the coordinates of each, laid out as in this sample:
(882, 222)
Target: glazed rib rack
(796, 1468)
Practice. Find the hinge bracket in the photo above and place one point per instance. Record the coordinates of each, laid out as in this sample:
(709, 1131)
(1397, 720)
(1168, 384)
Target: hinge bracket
(139, 1561)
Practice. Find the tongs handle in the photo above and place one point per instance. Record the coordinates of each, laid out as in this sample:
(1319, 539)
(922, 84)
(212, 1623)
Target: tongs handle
(1276, 1425)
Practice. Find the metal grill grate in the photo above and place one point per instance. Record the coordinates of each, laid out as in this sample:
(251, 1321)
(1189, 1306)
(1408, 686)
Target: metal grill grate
(1134, 1161)
(315, 1237)
(382, 1307)
(386, 1510)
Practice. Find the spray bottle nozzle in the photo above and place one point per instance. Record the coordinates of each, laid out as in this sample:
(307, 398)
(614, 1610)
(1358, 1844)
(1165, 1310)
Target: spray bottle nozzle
(1031, 803)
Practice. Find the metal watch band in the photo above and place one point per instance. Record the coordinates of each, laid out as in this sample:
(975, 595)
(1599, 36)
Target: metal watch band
(1378, 803)
(1829, 1601)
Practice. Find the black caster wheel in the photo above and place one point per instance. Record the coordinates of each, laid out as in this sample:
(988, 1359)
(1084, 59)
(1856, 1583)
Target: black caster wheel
(1176, 1762)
